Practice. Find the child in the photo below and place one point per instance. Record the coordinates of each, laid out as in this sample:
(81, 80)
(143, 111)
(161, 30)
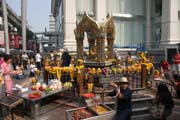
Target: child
(19, 72)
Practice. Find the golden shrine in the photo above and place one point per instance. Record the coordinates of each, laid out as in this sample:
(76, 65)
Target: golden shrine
(97, 34)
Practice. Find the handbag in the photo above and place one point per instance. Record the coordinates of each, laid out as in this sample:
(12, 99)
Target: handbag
(157, 110)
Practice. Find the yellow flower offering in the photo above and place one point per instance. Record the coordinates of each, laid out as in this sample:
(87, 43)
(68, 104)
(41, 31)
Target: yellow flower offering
(125, 69)
(120, 70)
(90, 87)
(58, 73)
(99, 71)
(80, 61)
(114, 70)
(93, 71)
(133, 67)
(79, 68)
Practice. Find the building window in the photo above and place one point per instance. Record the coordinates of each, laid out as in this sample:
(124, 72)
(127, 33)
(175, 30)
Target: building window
(179, 20)
(135, 7)
(129, 30)
(129, 33)
(85, 6)
(158, 7)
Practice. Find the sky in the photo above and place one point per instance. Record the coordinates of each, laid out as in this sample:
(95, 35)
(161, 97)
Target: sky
(38, 12)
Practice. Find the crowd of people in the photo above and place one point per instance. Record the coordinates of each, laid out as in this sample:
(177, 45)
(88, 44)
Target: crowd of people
(15, 66)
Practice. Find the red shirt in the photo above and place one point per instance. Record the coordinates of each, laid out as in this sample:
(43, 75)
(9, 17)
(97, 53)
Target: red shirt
(165, 65)
(176, 59)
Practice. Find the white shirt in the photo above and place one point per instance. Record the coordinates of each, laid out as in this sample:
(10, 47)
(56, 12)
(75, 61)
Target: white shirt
(24, 56)
(33, 68)
(52, 56)
(38, 57)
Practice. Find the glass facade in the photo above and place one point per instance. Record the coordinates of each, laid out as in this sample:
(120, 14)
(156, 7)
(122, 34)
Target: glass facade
(179, 25)
(179, 17)
(179, 29)
(84, 6)
(129, 32)
(60, 18)
(135, 7)
(156, 14)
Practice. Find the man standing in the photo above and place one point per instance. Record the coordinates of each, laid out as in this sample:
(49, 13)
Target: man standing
(38, 60)
(66, 58)
(25, 60)
(124, 95)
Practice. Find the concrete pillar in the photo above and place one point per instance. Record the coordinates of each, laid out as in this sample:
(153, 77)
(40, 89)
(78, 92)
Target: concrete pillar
(169, 22)
(69, 24)
(100, 10)
(5, 20)
(148, 24)
(23, 20)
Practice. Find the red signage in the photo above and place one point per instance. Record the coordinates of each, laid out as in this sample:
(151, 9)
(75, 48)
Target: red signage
(1, 38)
(16, 41)
(10, 39)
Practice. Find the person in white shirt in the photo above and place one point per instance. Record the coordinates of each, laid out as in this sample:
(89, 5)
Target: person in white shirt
(32, 69)
(25, 60)
(51, 55)
(38, 60)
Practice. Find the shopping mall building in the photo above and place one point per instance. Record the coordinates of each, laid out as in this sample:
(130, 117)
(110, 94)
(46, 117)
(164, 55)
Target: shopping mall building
(149, 24)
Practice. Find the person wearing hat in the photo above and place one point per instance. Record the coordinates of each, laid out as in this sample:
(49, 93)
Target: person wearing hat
(124, 103)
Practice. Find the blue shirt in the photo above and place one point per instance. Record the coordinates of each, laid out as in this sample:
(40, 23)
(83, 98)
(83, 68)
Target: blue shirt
(125, 102)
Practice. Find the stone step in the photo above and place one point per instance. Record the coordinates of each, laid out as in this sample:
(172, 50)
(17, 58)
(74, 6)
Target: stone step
(176, 101)
(140, 103)
(140, 111)
(136, 111)
(142, 117)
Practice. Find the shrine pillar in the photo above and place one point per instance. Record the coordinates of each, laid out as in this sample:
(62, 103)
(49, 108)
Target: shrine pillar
(110, 41)
(100, 42)
(79, 48)
(92, 48)
(79, 42)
